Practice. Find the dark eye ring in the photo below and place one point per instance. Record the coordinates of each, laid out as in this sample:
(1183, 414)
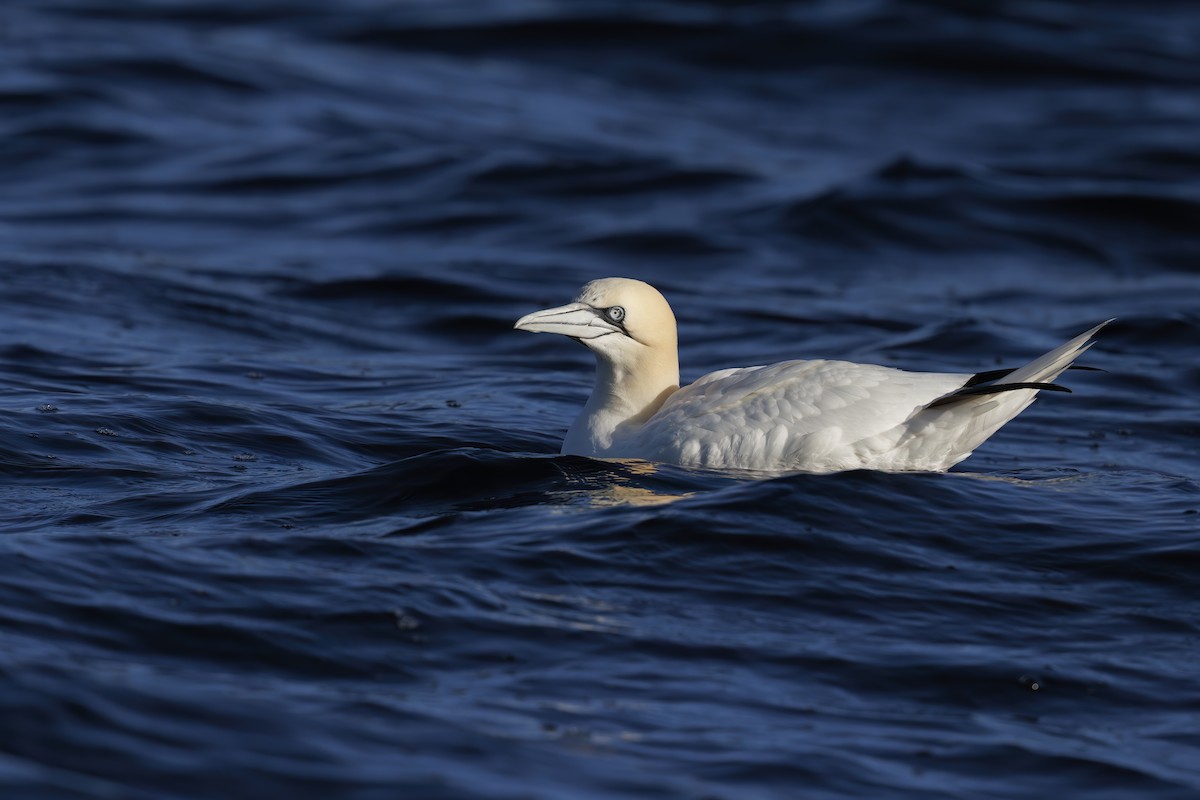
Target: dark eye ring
(616, 313)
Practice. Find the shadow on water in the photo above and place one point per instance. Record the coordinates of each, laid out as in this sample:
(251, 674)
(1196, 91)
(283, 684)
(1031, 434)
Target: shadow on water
(461, 480)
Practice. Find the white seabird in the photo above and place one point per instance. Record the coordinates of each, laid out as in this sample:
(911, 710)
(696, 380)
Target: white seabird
(795, 416)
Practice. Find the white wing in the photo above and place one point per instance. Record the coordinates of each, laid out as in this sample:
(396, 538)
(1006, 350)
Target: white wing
(798, 415)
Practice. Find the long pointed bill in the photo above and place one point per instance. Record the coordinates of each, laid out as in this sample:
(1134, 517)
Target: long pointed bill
(577, 320)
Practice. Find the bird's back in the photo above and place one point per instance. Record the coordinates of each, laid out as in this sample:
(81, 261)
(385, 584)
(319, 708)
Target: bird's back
(797, 415)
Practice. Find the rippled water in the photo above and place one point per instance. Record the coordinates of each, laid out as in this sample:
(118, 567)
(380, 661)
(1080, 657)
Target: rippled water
(280, 507)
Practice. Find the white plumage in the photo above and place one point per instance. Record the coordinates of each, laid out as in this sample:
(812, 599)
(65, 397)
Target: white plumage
(810, 416)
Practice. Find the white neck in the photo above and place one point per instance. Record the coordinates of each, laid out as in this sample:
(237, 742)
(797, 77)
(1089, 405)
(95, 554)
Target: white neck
(629, 390)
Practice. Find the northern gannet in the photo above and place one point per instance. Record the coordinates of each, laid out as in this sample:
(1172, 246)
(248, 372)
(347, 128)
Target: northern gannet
(795, 416)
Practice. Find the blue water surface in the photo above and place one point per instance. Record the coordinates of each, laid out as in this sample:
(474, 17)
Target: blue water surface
(281, 513)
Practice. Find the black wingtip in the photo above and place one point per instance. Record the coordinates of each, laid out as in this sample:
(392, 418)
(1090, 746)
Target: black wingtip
(997, 374)
(968, 391)
(988, 377)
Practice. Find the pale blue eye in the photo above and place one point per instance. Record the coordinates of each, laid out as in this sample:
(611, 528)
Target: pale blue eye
(616, 313)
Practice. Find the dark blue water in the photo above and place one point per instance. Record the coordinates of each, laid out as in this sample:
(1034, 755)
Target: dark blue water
(280, 514)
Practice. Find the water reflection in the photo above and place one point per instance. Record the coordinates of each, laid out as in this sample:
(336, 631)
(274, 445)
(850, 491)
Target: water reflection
(620, 482)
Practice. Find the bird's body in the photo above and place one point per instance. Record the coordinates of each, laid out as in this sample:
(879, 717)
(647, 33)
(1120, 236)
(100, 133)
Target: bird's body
(794, 416)
(803, 415)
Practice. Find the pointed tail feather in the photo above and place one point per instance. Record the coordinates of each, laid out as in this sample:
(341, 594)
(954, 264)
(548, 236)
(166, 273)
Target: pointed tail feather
(979, 408)
(1051, 365)
(1036, 375)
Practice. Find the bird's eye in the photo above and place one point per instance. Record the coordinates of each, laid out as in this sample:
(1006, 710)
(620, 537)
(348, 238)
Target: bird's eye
(616, 313)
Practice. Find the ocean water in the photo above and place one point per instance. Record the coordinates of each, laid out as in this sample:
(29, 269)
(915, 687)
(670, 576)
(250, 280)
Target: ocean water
(281, 513)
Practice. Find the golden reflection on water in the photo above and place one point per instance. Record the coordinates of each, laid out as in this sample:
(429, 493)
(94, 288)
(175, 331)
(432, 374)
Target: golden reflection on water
(618, 488)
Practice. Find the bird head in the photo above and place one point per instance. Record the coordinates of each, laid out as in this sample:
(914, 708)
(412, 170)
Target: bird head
(620, 319)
